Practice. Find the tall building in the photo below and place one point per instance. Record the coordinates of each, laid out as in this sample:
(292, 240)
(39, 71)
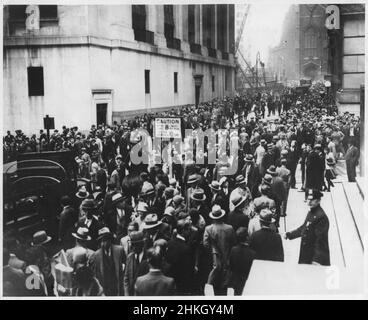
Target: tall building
(347, 56)
(302, 52)
(97, 64)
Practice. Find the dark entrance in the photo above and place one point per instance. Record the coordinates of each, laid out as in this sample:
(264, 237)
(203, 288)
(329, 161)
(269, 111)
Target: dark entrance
(101, 113)
(197, 94)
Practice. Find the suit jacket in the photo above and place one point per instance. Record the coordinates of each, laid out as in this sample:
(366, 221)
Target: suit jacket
(278, 189)
(238, 219)
(68, 217)
(181, 260)
(352, 156)
(14, 282)
(119, 258)
(314, 233)
(267, 244)
(219, 238)
(93, 232)
(154, 283)
(133, 270)
(241, 260)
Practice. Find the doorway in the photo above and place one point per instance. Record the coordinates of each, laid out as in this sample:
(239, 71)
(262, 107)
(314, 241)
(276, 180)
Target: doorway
(101, 109)
(197, 94)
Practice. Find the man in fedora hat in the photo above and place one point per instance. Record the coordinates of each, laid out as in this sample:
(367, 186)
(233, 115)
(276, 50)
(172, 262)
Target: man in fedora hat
(278, 192)
(119, 215)
(136, 264)
(192, 183)
(198, 202)
(181, 259)
(219, 238)
(314, 247)
(216, 194)
(237, 218)
(108, 264)
(265, 242)
(315, 169)
(88, 220)
(240, 190)
(67, 219)
(155, 283)
(155, 229)
(81, 240)
(251, 174)
(240, 261)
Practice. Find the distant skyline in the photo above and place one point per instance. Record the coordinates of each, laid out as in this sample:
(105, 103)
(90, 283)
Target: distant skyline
(263, 27)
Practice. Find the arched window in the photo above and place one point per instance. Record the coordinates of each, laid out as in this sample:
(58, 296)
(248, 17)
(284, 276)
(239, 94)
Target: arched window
(310, 43)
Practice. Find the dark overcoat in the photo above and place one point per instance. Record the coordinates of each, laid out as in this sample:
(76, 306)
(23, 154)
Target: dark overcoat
(314, 233)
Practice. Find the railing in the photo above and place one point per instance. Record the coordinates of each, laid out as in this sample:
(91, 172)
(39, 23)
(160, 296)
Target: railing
(144, 36)
(195, 48)
(173, 43)
(212, 52)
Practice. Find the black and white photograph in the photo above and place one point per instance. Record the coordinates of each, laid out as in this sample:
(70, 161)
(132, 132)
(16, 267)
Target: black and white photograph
(183, 150)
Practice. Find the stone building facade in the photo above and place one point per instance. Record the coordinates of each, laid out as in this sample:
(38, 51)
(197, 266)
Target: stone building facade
(92, 64)
(302, 52)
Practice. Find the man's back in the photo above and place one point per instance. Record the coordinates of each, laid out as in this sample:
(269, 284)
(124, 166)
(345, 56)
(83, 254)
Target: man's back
(267, 244)
(154, 283)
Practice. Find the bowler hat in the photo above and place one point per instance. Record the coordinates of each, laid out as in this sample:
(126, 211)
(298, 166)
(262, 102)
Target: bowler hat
(240, 180)
(117, 198)
(81, 234)
(82, 193)
(88, 204)
(249, 158)
(266, 216)
(169, 211)
(215, 185)
(267, 179)
(136, 237)
(192, 179)
(198, 195)
(40, 237)
(178, 199)
(104, 233)
(151, 221)
(147, 189)
(238, 200)
(217, 212)
(272, 171)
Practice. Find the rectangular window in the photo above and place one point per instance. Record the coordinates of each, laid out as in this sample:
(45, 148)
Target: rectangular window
(175, 82)
(18, 12)
(226, 79)
(191, 23)
(147, 81)
(35, 81)
(213, 83)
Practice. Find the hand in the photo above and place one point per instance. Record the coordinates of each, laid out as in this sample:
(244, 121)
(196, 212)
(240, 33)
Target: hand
(315, 263)
(284, 235)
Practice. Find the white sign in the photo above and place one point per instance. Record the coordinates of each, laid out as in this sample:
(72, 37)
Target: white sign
(33, 18)
(167, 128)
(327, 84)
(333, 17)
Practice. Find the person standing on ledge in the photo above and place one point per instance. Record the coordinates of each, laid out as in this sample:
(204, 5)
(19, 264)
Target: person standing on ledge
(314, 248)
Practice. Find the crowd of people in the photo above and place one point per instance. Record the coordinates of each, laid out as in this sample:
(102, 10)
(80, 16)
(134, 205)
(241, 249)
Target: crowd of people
(137, 229)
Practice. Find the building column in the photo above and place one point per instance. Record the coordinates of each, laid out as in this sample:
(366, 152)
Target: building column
(231, 24)
(199, 29)
(155, 23)
(121, 23)
(185, 47)
(226, 31)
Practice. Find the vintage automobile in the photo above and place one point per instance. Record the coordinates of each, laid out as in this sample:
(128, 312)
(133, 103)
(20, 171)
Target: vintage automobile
(33, 186)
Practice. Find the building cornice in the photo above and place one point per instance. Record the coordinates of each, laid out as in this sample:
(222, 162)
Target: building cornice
(87, 40)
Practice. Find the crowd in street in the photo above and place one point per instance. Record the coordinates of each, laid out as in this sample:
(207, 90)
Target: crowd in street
(136, 229)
